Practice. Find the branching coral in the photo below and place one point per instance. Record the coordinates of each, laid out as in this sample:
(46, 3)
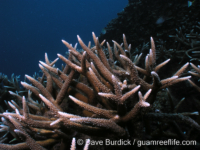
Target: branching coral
(10, 84)
(195, 73)
(189, 44)
(91, 96)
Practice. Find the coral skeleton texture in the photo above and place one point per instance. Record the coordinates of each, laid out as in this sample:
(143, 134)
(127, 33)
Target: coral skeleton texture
(94, 96)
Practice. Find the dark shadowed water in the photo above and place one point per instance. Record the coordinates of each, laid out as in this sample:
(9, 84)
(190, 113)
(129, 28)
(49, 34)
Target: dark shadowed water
(29, 28)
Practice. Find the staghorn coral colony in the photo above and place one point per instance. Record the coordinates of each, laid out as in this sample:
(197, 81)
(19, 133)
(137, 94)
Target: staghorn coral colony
(97, 96)
(126, 96)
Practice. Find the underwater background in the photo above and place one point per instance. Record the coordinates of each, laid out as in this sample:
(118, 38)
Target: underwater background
(28, 29)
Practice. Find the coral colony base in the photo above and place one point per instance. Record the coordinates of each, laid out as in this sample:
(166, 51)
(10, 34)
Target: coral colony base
(94, 97)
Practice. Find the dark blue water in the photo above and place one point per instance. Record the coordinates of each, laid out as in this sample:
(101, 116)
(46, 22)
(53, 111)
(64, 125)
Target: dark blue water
(29, 28)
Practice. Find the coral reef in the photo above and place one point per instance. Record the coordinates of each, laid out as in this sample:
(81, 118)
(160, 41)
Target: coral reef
(98, 96)
(113, 93)
(140, 19)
